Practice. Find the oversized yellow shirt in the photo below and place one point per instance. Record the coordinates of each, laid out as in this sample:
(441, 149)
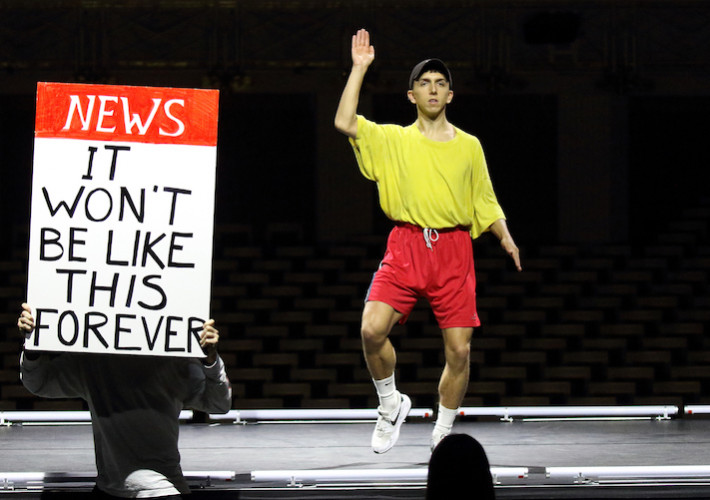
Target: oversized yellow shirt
(424, 182)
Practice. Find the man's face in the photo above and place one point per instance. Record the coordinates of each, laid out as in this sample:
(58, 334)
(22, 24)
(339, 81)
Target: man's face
(431, 92)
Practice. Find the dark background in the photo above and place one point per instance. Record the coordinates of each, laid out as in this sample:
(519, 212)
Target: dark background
(591, 113)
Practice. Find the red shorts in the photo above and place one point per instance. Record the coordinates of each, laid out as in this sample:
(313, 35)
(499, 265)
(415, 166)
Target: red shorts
(442, 274)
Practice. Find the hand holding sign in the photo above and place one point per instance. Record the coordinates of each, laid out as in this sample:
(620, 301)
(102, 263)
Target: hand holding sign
(208, 341)
(26, 322)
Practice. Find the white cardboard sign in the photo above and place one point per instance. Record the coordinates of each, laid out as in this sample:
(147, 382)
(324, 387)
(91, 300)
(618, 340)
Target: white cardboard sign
(120, 256)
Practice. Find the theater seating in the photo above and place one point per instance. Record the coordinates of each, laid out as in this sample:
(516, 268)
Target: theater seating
(602, 324)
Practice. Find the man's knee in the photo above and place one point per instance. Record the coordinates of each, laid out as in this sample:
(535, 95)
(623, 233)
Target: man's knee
(377, 322)
(458, 355)
(373, 332)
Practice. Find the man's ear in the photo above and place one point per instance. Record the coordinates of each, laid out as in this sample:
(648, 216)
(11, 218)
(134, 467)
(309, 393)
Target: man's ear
(410, 96)
(450, 98)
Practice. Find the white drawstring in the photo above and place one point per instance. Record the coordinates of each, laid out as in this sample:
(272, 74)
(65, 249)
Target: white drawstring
(430, 236)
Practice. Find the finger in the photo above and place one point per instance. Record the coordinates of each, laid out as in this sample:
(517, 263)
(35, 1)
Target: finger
(516, 259)
(209, 337)
(25, 324)
(208, 342)
(363, 38)
(208, 333)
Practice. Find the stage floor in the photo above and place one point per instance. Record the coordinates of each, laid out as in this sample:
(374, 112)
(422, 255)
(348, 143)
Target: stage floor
(66, 451)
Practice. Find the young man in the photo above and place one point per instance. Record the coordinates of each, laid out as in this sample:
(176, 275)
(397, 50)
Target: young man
(433, 182)
(135, 403)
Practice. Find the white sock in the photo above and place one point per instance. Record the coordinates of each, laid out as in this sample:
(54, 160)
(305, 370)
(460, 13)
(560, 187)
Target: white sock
(387, 393)
(445, 419)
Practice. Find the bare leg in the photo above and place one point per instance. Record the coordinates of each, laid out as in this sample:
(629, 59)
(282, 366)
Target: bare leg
(378, 319)
(454, 379)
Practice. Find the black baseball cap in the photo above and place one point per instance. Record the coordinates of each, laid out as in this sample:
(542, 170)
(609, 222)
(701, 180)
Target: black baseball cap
(429, 65)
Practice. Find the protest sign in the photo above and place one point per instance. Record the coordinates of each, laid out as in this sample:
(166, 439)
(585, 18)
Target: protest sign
(122, 218)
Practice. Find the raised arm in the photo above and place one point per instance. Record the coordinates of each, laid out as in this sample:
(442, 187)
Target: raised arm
(363, 54)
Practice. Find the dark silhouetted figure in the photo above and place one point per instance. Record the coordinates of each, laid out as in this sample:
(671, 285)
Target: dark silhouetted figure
(459, 469)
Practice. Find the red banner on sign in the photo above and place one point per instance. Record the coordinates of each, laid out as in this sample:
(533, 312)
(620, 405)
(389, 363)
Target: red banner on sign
(113, 113)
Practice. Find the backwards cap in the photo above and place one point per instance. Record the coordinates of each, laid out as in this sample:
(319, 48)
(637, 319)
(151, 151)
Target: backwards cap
(429, 65)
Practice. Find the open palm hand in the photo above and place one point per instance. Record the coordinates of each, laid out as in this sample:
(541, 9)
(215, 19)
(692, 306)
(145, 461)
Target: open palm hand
(362, 52)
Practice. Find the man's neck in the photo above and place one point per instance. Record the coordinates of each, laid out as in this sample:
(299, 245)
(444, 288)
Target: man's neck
(435, 128)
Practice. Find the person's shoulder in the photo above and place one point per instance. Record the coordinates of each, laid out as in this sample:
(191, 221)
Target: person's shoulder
(381, 129)
(467, 139)
(384, 126)
(466, 136)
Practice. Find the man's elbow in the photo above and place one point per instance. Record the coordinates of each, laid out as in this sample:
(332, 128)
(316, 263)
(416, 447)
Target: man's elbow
(225, 407)
(224, 404)
(346, 126)
(34, 385)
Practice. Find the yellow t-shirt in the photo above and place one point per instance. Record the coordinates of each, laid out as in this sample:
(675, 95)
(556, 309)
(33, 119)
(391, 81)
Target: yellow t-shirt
(425, 182)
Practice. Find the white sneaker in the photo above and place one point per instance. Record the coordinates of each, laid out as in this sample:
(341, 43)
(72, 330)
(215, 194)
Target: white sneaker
(436, 438)
(387, 429)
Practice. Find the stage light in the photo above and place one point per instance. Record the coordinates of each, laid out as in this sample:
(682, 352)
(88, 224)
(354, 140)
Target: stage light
(38, 417)
(237, 416)
(218, 475)
(46, 417)
(13, 478)
(697, 409)
(627, 473)
(295, 415)
(589, 412)
(350, 476)
(38, 480)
